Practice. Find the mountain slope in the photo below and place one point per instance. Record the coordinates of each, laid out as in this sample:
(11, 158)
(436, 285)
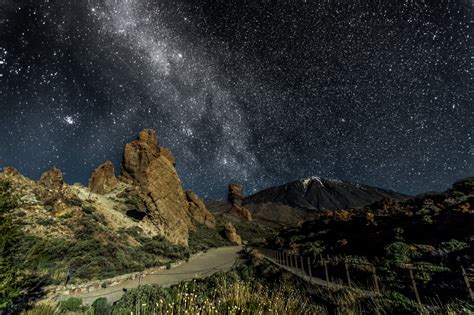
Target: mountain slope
(317, 193)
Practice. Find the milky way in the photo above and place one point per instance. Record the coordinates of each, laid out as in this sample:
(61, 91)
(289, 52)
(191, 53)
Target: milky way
(258, 93)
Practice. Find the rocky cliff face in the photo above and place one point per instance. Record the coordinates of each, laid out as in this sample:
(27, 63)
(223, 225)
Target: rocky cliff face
(103, 179)
(235, 198)
(151, 168)
(148, 194)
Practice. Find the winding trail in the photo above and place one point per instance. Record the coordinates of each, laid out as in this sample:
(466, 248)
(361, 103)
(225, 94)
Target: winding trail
(214, 260)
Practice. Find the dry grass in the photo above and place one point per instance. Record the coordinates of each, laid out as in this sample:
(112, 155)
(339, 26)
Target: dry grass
(47, 307)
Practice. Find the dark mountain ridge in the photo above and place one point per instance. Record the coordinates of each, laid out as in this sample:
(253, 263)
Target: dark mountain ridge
(317, 193)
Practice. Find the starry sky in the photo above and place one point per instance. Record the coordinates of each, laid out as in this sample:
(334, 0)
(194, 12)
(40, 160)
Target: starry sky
(258, 92)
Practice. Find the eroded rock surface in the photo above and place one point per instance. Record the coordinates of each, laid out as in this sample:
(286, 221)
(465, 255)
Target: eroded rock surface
(198, 210)
(231, 234)
(235, 198)
(152, 169)
(52, 180)
(103, 179)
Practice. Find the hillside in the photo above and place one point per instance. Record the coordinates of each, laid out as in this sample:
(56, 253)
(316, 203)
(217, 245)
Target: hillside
(431, 233)
(116, 225)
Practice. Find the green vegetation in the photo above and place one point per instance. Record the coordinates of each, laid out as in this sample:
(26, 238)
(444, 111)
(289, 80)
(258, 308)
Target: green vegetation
(89, 258)
(241, 291)
(11, 278)
(204, 238)
(430, 234)
(72, 304)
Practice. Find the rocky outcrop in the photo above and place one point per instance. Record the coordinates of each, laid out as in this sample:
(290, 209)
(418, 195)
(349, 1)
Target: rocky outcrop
(54, 192)
(198, 210)
(235, 194)
(10, 171)
(103, 179)
(151, 168)
(231, 234)
(235, 198)
(52, 180)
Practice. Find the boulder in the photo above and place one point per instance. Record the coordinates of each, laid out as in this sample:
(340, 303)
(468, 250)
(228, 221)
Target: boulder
(103, 179)
(231, 234)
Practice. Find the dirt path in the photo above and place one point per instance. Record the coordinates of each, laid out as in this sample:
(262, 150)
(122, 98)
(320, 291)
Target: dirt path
(218, 259)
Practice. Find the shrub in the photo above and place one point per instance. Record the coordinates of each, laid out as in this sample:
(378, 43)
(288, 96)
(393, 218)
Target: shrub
(88, 209)
(11, 284)
(398, 252)
(204, 238)
(400, 303)
(45, 221)
(101, 306)
(71, 304)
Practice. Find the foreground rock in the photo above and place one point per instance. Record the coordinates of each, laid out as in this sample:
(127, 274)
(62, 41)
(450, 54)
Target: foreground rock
(103, 179)
(231, 234)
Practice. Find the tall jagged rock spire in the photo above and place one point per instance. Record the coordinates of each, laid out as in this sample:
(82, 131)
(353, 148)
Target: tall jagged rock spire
(151, 168)
(235, 197)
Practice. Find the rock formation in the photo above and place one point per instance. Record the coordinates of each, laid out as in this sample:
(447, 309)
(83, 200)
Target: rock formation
(10, 171)
(52, 180)
(235, 198)
(231, 234)
(198, 210)
(235, 194)
(103, 179)
(151, 168)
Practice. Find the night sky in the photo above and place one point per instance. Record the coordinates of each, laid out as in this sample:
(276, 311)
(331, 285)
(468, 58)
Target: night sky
(259, 92)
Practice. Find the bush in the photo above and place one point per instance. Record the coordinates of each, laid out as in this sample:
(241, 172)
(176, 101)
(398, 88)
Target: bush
(400, 303)
(72, 304)
(101, 306)
(204, 238)
(45, 221)
(11, 284)
(398, 252)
